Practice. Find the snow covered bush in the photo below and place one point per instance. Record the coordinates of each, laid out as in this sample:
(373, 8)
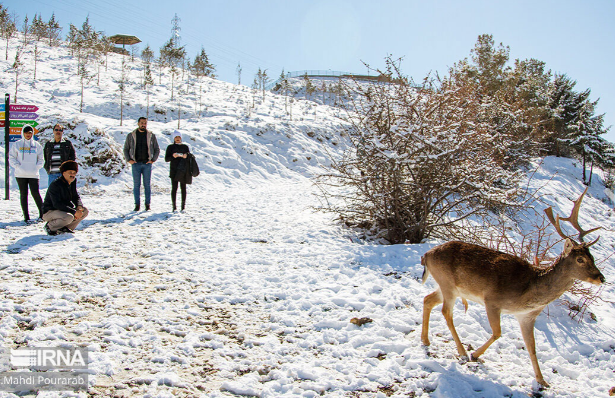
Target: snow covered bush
(420, 160)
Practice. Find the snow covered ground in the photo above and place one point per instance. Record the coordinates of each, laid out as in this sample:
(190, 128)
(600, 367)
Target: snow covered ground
(251, 292)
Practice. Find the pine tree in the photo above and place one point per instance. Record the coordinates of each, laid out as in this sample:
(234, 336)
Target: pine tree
(147, 56)
(264, 81)
(54, 30)
(309, 87)
(25, 29)
(171, 55)
(72, 38)
(201, 65)
(7, 28)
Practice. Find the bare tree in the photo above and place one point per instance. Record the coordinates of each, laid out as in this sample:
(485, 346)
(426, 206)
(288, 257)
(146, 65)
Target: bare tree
(122, 83)
(17, 68)
(39, 31)
(419, 162)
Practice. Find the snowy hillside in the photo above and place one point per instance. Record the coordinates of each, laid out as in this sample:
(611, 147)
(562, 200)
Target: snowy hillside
(250, 292)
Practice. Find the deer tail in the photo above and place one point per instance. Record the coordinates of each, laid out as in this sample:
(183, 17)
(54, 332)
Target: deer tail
(425, 270)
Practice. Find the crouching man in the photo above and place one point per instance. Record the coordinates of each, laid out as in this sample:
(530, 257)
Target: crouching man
(62, 208)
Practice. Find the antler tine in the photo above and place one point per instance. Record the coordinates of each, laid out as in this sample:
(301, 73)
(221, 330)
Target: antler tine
(555, 222)
(574, 217)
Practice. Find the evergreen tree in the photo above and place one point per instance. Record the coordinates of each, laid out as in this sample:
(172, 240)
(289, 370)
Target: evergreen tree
(147, 55)
(72, 38)
(201, 66)
(309, 87)
(7, 27)
(25, 29)
(264, 81)
(172, 55)
(53, 31)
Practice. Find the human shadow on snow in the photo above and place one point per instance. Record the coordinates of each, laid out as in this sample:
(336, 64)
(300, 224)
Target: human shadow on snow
(4, 225)
(30, 241)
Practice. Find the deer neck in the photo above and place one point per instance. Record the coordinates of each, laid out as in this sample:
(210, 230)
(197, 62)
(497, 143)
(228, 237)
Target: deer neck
(555, 280)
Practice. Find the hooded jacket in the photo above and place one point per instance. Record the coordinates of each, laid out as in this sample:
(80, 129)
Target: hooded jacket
(26, 157)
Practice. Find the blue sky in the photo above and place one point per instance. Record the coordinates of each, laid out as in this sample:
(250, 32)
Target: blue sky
(572, 37)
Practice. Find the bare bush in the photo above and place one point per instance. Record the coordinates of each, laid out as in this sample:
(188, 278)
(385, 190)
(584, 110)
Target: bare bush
(419, 160)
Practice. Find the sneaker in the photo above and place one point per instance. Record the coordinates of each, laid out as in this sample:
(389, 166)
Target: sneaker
(49, 231)
(66, 230)
(147, 207)
(137, 207)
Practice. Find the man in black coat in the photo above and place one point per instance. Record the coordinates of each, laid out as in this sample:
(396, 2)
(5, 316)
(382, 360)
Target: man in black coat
(57, 151)
(62, 208)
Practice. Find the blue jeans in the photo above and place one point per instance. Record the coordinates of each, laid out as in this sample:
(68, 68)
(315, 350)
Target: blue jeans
(52, 177)
(144, 169)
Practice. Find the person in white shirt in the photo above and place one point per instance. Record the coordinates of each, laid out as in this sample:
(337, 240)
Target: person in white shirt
(27, 158)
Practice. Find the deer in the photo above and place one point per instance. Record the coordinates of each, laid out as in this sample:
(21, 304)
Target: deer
(506, 284)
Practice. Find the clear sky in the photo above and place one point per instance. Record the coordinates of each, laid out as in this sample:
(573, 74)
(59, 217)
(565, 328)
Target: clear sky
(572, 36)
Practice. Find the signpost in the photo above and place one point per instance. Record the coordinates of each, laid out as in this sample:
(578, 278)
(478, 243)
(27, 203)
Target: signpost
(7, 101)
(25, 114)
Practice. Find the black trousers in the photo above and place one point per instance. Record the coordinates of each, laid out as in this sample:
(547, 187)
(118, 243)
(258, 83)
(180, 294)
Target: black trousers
(24, 183)
(174, 185)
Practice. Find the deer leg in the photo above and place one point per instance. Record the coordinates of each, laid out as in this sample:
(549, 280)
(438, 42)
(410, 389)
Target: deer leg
(527, 330)
(493, 314)
(430, 301)
(447, 311)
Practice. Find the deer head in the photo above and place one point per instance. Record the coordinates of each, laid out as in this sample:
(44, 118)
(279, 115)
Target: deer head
(588, 271)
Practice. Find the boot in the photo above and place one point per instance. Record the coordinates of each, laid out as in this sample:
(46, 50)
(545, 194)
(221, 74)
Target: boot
(174, 204)
(183, 205)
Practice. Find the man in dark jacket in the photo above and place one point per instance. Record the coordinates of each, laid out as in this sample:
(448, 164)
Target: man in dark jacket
(62, 208)
(57, 151)
(141, 150)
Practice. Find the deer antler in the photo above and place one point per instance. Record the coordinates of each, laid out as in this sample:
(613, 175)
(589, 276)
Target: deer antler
(573, 220)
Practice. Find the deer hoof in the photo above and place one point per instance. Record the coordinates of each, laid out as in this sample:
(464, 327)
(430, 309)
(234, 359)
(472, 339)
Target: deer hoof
(474, 359)
(543, 383)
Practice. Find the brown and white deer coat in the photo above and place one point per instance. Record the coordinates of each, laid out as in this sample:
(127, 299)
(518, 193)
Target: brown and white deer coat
(504, 283)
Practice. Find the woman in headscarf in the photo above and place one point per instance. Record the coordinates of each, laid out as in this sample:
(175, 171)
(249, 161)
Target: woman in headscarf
(177, 154)
(27, 158)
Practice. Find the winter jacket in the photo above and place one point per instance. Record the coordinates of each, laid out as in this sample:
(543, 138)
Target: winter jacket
(131, 143)
(67, 152)
(27, 158)
(180, 167)
(62, 196)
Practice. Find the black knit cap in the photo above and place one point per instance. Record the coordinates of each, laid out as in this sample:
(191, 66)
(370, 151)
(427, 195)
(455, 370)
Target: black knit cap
(27, 128)
(69, 165)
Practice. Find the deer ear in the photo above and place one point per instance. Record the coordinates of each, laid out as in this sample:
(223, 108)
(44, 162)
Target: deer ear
(568, 246)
